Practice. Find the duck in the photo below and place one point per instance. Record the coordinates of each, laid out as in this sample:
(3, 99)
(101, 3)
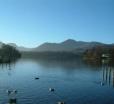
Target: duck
(61, 102)
(51, 89)
(14, 91)
(9, 92)
(102, 83)
(36, 78)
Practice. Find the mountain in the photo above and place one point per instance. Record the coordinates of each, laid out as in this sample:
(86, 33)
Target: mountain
(21, 48)
(67, 46)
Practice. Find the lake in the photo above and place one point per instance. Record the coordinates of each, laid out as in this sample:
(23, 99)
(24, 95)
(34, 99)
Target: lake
(74, 82)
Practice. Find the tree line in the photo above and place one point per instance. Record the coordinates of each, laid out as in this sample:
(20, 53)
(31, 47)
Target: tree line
(96, 53)
(8, 53)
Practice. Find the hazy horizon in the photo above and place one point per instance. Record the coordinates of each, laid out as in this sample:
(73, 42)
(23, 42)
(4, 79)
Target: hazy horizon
(30, 23)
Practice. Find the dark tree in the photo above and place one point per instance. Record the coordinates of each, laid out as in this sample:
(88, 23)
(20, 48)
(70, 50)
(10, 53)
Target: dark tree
(8, 53)
(96, 53)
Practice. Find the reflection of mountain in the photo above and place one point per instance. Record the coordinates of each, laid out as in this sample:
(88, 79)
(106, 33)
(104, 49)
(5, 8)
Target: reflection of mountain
(64, 64)
(77, 63)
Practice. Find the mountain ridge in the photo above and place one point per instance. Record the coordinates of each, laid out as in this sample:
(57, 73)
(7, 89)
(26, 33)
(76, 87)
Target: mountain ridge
(68, 45)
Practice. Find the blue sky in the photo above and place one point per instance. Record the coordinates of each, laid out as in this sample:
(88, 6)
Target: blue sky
(32, 22)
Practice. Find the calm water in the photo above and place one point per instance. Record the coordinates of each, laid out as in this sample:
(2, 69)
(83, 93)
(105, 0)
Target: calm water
(74, 82)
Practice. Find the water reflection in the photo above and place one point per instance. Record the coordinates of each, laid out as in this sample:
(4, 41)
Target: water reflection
(108, 75)
(9, 67)
(11, 95)
(66, 64)
(73, 80)
(12, 101)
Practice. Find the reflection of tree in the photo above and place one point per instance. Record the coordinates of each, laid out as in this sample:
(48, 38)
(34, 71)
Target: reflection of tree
(8, 67)
(12, 101)
(113, 78)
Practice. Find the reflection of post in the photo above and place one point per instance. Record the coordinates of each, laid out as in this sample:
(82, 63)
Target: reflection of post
(113, 78)
(2, 66)
(103, 74)
(106, 74)
(9, 66)
(109, 76)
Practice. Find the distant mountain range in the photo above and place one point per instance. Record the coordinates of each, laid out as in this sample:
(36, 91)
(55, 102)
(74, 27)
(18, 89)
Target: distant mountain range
(69, 45)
